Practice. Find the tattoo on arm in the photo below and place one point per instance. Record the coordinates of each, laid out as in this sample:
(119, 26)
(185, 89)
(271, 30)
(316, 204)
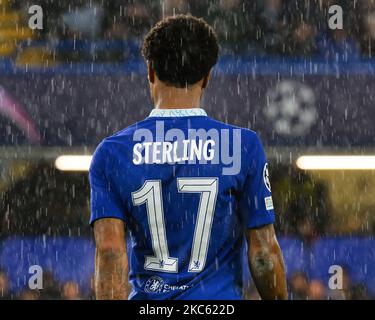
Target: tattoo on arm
(111, 262)
(266, 263)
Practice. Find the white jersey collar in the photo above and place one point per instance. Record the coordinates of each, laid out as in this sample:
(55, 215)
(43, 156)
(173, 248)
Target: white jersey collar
(175, 113)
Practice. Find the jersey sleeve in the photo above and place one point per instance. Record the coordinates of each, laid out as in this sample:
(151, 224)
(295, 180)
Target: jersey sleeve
(105, 201)
(256, 203)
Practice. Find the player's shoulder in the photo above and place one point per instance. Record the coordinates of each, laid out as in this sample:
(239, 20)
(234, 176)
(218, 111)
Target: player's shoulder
(247, 134)
(121, 140)
(121, 137)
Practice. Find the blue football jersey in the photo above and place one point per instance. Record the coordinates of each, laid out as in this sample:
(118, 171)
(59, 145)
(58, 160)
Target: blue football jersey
(187, 188)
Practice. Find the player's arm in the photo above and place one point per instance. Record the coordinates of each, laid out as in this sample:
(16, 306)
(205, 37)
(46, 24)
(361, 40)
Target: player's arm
(266, 263)
(256, 205)
(111, 262)
(108, 220)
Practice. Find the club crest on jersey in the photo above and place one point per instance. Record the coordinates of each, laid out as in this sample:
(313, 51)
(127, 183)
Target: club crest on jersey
(154, 284)
(266, 177)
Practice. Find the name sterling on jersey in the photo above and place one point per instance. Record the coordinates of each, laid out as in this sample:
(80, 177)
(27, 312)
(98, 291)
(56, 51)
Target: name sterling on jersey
(199, 146)
(168, 152)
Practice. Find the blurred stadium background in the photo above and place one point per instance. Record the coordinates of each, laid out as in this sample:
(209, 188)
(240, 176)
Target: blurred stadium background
(307, 90)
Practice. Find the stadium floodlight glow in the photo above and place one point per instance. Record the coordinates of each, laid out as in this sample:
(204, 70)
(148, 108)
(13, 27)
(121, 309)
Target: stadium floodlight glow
(73, 162)
(336, 162)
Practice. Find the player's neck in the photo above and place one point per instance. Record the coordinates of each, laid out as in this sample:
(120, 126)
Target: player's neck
(177, 98)
(176, 105)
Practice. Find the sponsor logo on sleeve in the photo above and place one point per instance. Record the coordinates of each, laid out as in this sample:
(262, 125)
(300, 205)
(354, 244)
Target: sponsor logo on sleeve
(269, 203)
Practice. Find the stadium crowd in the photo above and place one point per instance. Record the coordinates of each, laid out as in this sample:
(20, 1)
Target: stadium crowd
(299, 285)
(106, 31)
(52, 290)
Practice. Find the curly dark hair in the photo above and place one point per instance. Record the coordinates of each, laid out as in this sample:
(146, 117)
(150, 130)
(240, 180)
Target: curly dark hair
(181, 50)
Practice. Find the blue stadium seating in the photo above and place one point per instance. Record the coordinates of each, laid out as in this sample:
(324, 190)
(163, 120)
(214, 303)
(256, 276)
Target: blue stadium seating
(356, 255)
(296, 255)
(68, 259)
